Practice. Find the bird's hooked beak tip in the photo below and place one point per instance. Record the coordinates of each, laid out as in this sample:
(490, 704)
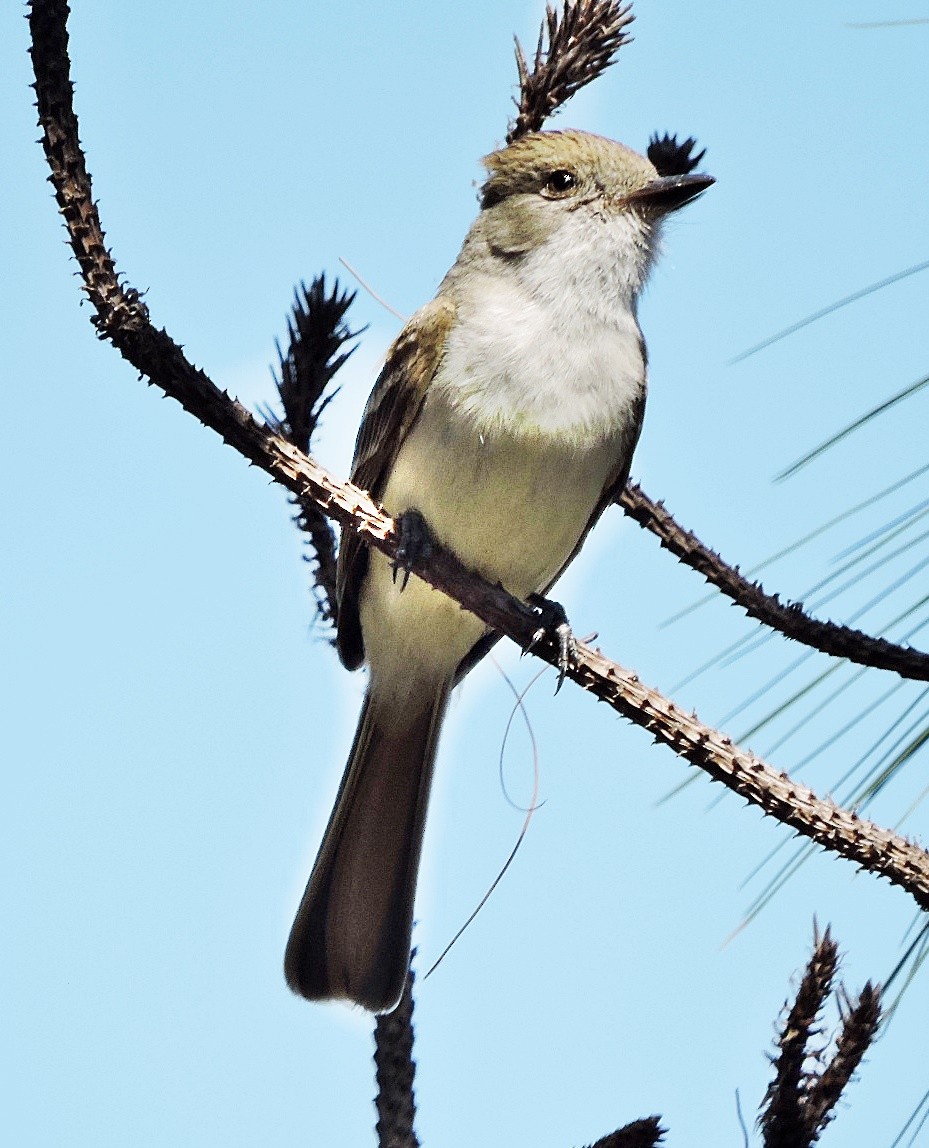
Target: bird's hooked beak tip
(667, 193)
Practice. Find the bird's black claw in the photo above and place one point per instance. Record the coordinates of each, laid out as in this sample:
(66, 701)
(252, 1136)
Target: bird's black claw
(415, 543)
(554, 625)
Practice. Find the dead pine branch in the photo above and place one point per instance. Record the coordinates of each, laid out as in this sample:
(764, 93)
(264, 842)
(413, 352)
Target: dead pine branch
(811, 1072)
(808, 1082)
(646, 1133)
(573, 49)
(318, 339)
(393, 1059)
(671, 157)
(395, 1072)
(788, 618)
(317, 333)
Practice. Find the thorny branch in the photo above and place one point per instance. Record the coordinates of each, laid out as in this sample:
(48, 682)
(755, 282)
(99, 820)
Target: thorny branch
(801, 1098)
(121, 317)
(787, 617)
(393, 1058)
(798, 1104)
(671, 157)
(646, 1133)
(317, 333)
(395, 1072)
(573, 49)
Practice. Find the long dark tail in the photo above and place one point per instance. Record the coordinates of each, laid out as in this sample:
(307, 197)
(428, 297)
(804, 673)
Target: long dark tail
(351, 936)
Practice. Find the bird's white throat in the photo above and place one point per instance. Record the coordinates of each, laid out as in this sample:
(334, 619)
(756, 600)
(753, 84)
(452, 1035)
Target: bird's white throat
(548, 343)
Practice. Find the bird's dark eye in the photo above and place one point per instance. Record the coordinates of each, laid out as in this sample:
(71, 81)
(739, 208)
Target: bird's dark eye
(559, 183)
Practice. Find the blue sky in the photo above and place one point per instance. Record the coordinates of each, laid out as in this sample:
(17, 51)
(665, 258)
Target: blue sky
(174, 730)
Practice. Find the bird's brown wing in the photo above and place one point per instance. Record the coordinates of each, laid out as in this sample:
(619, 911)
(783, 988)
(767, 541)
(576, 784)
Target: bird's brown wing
(614, 486)
(391, 411)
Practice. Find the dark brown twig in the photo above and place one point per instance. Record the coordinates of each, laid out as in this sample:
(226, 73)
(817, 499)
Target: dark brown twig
(787, 618)
(393, 1056)
(783, 1120)
(858, 1032)
(645, 1133)
(802, 1096)
(122, 318)
(572, 50)
(671, 157)
(317, 335)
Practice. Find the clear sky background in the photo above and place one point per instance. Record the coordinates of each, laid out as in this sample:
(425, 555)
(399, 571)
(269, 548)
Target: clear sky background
(173, 730)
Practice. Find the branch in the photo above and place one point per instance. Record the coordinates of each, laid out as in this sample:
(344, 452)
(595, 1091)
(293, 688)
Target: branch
(396, 1105)
(317, 333)
(783, 1121)
(393, 1056)
(788, 618)
(671, 157)
(572, 50)
(799, 1102)
(858, 1032)
(646, 1133)
(121, 317)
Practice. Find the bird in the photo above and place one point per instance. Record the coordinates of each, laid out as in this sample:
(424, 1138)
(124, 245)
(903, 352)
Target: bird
(501, 426)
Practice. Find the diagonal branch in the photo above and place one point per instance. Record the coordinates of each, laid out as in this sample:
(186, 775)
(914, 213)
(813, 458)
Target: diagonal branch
(788, 618)
(120, 317)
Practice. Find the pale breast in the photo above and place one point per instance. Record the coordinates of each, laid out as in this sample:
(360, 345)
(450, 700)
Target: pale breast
(515, 361)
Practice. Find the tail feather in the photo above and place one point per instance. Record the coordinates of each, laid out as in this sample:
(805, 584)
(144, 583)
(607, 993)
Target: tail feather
(351, 936)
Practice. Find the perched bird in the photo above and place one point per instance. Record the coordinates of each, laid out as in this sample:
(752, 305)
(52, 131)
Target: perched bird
(502, 425)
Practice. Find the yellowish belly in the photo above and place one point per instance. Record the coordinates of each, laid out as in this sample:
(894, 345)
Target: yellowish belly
(510, 506)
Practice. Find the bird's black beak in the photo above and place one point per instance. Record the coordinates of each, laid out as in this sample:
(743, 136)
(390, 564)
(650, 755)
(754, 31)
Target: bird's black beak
(667, 193)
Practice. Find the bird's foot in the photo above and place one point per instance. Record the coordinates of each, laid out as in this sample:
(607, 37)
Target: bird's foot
(553, 624)
(415, 543)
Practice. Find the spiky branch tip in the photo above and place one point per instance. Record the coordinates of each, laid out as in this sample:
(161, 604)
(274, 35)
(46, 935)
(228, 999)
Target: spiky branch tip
(573, 48)
(671, 157)
(806, 1088)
